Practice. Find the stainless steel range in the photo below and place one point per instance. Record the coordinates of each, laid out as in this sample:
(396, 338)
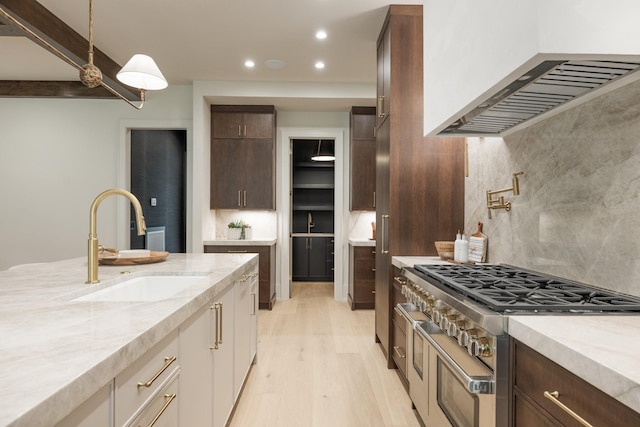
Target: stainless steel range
(459, 316)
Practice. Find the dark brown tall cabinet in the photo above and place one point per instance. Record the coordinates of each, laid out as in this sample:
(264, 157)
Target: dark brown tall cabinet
(363, 159)
(419, 181)
(243, 156)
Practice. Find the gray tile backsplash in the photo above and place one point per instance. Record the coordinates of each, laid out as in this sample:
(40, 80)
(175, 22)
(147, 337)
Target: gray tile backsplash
(578, 212)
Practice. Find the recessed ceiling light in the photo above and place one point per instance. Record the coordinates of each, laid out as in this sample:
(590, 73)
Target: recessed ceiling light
(249, 63)
(321, 35)
(274, 64)
(319, 65)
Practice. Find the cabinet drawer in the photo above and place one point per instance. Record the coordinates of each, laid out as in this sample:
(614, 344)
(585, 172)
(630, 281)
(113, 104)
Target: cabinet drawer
(364, 252)
(399, 350)
(162, 410)
(136, 384)
(534, 374)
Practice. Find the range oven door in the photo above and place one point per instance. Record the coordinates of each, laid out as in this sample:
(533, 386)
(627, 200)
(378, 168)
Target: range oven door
(461, 389)
(418, 359)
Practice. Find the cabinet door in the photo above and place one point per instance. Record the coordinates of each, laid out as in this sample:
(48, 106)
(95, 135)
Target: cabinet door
(226, 173)
(223, 387)
(363, 174)
(258, 125)
(243, 309)
(383, 260)
(258, 169)
(384, 77)
(317, 258)
(196, 386)
(227, 125)
(300, 257)
(363, 126)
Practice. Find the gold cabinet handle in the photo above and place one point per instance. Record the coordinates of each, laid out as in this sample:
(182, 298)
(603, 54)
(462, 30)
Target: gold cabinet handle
(239, 201)
(218, 325)
(239, 130)
(169, 398)
(381, 113)
(245, 198)
(167, 361)
(384, 251)
(399, 352)
(245, 130)
(236, 252)
(553, 396)
(254, 303)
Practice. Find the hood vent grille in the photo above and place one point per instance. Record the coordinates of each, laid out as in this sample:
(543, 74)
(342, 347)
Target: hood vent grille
(548, 85)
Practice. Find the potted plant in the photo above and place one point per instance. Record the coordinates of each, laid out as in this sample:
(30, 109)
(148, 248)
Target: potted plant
(238, 230)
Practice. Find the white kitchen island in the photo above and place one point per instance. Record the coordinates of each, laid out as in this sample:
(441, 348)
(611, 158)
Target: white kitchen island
(56, 353)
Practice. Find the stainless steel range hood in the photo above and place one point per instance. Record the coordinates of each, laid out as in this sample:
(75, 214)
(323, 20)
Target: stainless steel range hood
(545, 87)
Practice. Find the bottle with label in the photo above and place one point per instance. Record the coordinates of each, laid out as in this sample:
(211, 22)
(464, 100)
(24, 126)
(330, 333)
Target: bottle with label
(456, 247)
(464, 249)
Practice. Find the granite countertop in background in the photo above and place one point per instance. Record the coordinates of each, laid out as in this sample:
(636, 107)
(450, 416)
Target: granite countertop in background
(55, 353)
(601, 349)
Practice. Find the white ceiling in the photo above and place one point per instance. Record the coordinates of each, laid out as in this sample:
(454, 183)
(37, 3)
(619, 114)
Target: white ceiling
(209, 40)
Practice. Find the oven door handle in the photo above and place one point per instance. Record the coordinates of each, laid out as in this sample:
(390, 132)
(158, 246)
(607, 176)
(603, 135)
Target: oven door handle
(474, 385)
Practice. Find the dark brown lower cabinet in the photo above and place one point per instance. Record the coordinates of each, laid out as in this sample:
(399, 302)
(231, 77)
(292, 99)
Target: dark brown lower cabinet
(534, 374)
(266, 269)
(399, 327)
(362, 277)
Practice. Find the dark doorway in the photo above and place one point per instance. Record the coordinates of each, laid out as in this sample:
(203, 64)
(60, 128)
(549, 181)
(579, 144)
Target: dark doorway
(158, 180)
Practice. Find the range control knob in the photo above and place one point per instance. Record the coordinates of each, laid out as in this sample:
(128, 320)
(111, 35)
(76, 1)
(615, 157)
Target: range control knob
(455, 327)
(466, 335)
(479, 347)
(447, 321)
(439, 314)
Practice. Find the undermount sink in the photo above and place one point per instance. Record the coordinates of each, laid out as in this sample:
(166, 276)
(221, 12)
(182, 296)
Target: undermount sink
(144, 288)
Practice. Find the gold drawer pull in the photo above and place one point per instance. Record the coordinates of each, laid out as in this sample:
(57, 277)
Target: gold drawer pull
(167, 362)
(553, 396)
(170, 398)
(236, 252)
(399, 352)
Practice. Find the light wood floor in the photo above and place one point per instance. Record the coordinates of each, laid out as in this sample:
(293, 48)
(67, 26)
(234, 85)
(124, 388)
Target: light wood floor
(318, 366)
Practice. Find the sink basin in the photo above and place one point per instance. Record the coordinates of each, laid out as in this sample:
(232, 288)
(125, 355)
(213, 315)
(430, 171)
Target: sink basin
(144, 288)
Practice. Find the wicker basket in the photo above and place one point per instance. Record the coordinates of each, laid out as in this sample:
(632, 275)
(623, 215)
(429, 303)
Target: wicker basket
(445, 250)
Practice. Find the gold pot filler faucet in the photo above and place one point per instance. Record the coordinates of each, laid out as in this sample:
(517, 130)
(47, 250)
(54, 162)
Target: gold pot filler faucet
(92, 254)
(500, 203)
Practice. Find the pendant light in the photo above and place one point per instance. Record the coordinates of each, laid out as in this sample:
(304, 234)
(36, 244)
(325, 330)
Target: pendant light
(140, 72)
(325, 152)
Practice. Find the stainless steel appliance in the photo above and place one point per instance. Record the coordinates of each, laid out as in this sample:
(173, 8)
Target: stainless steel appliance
(464, 334)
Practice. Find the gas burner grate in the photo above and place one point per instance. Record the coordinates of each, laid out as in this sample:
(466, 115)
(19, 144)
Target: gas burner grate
(508, 289)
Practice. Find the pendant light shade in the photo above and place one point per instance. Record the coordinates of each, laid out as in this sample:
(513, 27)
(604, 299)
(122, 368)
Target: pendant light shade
(325, 152)
(142, 72)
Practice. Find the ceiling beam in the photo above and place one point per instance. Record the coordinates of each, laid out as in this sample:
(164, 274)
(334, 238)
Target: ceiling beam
(50, 89)
(38, 19)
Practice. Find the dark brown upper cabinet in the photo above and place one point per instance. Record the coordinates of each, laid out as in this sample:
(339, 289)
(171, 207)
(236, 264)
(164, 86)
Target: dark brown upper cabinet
(243, 157)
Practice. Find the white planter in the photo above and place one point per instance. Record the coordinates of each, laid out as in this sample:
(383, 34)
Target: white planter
(236, 233)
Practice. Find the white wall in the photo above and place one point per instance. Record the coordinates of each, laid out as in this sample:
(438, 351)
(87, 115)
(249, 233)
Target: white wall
(56, 155)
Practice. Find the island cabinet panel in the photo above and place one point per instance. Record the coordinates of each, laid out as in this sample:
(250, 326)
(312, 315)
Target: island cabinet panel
(267, 263)
(363, 159)
(97, 411)
(207, 347)
(362, 277)
(419, 181)
(242, 157)
(533, 374)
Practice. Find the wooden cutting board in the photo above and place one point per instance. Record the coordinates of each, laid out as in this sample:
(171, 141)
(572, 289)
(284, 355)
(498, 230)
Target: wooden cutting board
(478, 245)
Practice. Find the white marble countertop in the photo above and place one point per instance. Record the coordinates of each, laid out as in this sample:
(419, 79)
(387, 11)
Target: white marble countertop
(251, 242)
(361, 242)
(410, 261)
(602, 350)
(55, 353)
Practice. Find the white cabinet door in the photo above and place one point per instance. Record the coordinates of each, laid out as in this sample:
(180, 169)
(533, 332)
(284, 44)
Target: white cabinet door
(255, 299)
(196, 387)
(242, 332)
(222, 354)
